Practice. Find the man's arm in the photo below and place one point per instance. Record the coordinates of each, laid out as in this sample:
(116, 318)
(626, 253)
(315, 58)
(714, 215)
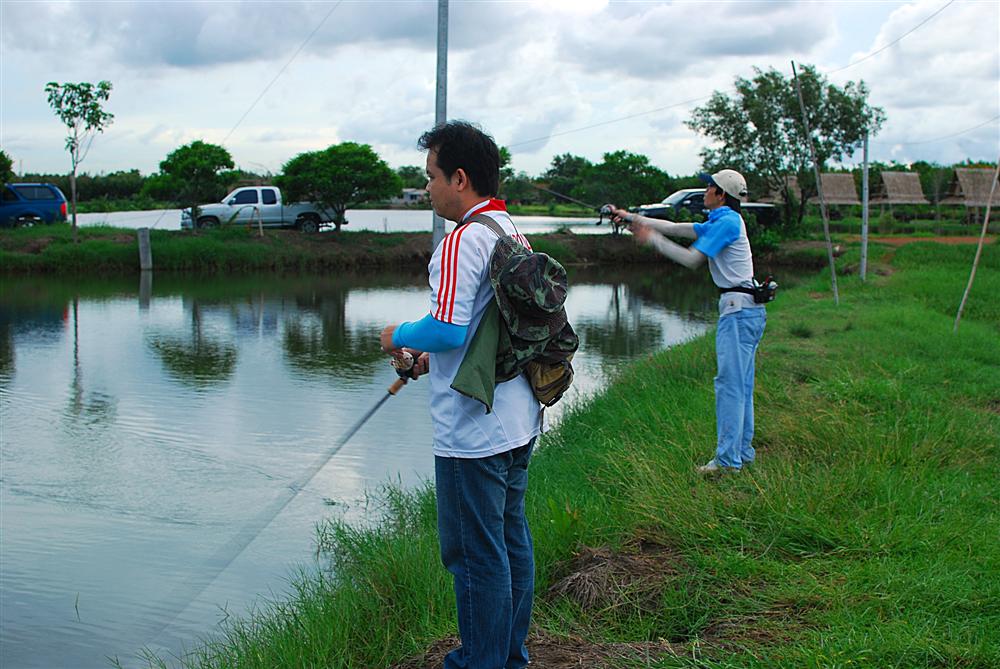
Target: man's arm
(681, 230)
(688, 257)
(427, 335)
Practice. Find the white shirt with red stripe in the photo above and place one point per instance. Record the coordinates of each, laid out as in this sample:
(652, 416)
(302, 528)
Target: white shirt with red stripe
(460, 293)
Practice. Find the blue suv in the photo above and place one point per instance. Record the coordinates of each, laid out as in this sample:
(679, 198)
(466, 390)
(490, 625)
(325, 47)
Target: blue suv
(31, 204)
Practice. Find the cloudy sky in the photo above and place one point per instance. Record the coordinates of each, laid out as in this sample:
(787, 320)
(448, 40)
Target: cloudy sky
(544, 77)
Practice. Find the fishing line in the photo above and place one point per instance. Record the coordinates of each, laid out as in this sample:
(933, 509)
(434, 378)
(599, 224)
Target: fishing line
(228, 552)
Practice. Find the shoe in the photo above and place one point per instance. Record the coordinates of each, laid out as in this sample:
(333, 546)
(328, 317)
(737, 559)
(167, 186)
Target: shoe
(713, 468)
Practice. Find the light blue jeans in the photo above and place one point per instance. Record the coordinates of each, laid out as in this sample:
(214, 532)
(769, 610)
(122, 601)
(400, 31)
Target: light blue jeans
(736, 341)
(486, 545)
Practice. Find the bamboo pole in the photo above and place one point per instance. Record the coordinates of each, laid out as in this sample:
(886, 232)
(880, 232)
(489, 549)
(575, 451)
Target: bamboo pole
(819, 188)
(865, 193)
(979, 248)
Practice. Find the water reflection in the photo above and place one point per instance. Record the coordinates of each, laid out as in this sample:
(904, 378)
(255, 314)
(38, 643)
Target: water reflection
(198, 359)
(319, 340)
(145, 421)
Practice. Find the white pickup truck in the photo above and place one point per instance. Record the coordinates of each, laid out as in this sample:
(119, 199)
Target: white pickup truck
(253, 205)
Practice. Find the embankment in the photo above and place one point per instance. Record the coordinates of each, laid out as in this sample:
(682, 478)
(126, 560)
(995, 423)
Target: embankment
(865, 534)
(107, 250)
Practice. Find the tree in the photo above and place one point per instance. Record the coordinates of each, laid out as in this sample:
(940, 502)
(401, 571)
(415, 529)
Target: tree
(506, 171)
(412, 176)
(337, 178)
(192, 174)
(624, 178)
(6, 167)
(564, 175)
(519, 189)
(759, 130)
(78, 106)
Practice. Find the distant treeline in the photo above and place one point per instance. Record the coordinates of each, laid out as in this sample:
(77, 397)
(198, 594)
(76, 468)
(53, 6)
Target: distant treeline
(622, 177)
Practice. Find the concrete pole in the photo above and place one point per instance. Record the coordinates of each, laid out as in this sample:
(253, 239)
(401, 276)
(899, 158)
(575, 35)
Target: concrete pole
(864, 212)
(145, 251)
(441, 100)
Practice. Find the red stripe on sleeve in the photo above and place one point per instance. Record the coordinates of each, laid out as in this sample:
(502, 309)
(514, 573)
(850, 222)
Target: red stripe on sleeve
(454, 273)
(444, 270)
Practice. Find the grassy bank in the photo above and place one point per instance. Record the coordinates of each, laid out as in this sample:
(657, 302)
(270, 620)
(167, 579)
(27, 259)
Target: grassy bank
(866, 534)
(109, 250)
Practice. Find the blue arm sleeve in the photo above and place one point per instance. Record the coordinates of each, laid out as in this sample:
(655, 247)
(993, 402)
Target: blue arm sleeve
(429, 334)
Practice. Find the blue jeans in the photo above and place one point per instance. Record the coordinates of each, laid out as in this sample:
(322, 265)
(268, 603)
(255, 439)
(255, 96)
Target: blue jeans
(736, 341)
(486, 545)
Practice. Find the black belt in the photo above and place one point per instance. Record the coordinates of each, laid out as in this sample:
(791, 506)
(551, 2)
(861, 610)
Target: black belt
(736, 289)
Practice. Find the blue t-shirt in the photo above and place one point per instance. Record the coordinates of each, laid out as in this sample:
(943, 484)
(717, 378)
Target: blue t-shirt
(722, 228)
(723, 239)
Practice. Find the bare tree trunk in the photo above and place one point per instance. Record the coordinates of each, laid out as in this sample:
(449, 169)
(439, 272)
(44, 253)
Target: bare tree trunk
(819, 189)
(979, 248)
(72, 188)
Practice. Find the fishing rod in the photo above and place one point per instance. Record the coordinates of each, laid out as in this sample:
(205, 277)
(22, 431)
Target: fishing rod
(228, 552)
(603, 210)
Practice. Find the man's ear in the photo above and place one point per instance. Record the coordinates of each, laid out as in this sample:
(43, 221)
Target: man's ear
(460, 179)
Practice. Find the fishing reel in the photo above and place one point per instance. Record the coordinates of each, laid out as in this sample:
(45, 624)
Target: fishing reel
(403, 364)
(604, 211)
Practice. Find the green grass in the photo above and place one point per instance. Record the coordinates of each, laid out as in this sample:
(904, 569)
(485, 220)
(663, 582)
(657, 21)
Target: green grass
(887, 224)
(866, 535)
(110, 250)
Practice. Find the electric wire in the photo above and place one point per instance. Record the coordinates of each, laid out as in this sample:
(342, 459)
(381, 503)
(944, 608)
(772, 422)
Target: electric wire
(281, 71)
(938, 139)
(895, 41)
(705, 97)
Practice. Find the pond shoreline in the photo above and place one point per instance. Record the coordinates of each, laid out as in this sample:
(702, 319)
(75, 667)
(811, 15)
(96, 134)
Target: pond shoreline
(105, 250)
(877, 436)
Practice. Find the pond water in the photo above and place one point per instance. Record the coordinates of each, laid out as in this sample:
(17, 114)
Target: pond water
(376, 220)
(143, 423)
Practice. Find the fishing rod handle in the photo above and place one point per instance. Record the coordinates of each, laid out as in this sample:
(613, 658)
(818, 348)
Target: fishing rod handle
(397, 385)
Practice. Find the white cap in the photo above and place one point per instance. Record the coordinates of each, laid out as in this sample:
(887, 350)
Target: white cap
(730, 181)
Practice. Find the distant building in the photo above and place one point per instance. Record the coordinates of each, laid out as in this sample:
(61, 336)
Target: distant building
(410, 196)
(899, 188)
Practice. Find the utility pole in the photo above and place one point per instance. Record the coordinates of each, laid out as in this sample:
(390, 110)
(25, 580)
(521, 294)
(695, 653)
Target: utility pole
(441, 100)
(864, 211)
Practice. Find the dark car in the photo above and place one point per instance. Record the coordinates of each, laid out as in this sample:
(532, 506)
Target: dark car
(693, 201)
(31, 204)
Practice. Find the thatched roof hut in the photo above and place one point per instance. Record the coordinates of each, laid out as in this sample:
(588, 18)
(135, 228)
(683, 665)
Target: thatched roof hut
(778, 196)
(838, 189)
(899, 188)
(971, 187)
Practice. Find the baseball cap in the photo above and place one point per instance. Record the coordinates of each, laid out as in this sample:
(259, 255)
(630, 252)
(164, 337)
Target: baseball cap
(730, 181)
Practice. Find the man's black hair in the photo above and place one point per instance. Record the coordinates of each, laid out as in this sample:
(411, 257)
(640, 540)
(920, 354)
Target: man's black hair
(460, 144)
(731, 202)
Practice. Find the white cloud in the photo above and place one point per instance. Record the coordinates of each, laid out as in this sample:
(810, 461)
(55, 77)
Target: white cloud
(524, 70)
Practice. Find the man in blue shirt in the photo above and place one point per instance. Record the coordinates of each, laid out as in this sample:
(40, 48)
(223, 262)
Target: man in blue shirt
(722, 239)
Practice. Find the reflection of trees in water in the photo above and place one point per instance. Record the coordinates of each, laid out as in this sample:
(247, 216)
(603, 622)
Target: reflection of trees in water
(624, 332)
(328, 347)
(6, 349)
(27, 315)
(95, 408)
(669, 286)
(198, 360)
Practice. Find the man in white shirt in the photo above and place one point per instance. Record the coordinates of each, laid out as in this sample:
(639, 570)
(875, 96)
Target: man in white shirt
(481, 459)
(723, 240)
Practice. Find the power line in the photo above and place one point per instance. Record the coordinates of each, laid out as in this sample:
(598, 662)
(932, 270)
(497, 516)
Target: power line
(614, 120)
(282, 70)
(938, 139)
(895, 41)
(705, 97)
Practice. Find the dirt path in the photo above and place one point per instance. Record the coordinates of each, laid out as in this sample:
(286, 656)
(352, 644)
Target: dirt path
(902, 241)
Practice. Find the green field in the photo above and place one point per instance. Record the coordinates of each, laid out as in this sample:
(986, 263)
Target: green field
(865, 536)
